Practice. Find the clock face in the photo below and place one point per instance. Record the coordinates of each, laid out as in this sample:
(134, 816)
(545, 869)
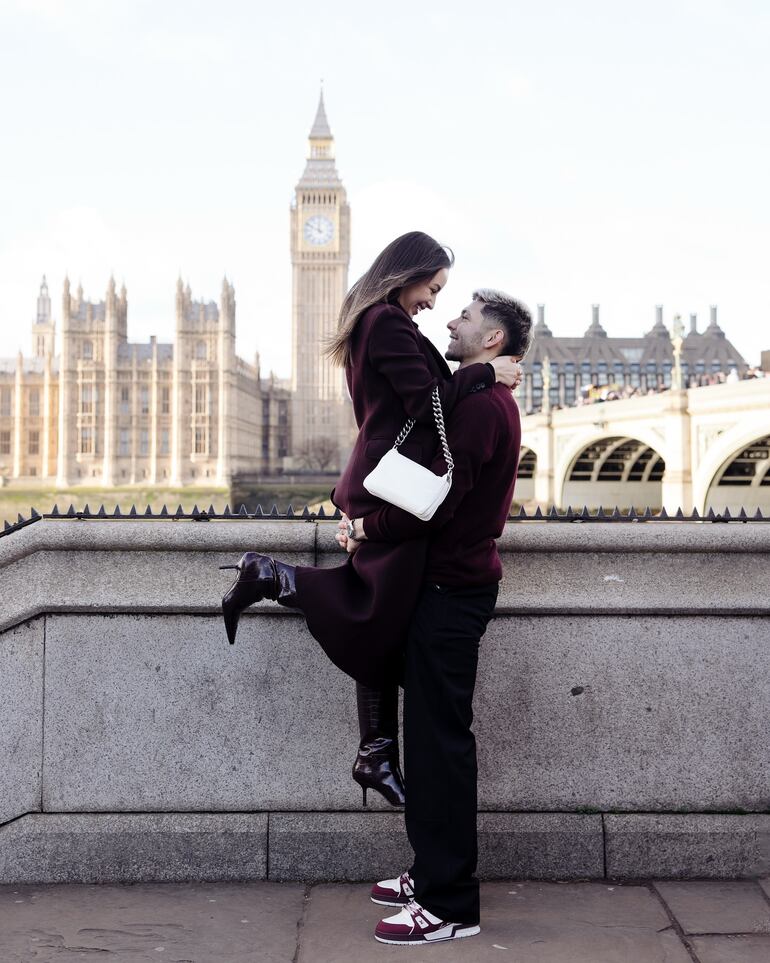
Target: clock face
(318, 229)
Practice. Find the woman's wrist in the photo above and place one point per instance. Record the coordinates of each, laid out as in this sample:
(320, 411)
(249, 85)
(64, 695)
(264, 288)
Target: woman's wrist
(358, 527)
(355, 530)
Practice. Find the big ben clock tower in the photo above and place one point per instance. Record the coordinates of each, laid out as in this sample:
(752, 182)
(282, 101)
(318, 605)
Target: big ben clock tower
(320, 255)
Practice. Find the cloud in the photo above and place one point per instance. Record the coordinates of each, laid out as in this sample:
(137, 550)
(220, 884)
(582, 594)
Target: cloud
(166, 46)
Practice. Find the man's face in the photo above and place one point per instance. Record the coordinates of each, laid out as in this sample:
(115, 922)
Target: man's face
(469, 334)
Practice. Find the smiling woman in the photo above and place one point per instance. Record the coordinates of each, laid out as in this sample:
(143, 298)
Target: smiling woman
(359, 612)
(410, 272)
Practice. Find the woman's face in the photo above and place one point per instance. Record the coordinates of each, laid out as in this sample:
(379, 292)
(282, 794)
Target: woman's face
(416, 297)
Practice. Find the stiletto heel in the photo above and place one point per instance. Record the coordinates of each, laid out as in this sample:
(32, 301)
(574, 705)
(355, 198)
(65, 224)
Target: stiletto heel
(377, 766)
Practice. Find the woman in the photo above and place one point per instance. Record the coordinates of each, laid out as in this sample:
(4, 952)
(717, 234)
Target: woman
(360, 610)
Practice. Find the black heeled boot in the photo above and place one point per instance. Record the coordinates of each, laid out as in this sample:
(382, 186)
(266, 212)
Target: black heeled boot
(259, 577)
(377, 763)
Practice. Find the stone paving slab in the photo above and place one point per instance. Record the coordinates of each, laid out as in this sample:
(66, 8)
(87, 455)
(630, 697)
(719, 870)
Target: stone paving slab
(521, 923)
(173, 923)
(732, 949)
(717, 907)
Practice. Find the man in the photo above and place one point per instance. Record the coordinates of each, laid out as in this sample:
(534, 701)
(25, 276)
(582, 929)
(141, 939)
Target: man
(440, 894)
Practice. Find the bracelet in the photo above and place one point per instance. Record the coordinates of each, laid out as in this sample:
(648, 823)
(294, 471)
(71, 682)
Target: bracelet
(351, 530)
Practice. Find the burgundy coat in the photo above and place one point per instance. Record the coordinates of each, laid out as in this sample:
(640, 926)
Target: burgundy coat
(360, 610)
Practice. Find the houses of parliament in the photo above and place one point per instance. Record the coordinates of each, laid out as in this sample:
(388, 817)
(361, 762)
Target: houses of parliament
(106, 411)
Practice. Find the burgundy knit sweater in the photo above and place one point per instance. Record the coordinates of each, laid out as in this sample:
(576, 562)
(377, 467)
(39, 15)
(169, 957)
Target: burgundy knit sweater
(484, 436)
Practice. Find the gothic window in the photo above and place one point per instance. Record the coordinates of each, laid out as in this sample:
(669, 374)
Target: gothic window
(86, 400)
(144, 442)
(537, 385)
(125, 401)
(200, 441)
(86, 441)
(164, 442)
(88, 350)
(165, 401)
(5, 443)
(5, 403)
(553, 394)
(124, 442)
(144, 400)
(34, 403)
(33, 447)
(200, 399)
(603, 373)
(200, 351)
(283, 413)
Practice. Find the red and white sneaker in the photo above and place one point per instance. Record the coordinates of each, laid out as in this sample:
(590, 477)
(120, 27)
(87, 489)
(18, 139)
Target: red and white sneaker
(414, 924)
(393, 892)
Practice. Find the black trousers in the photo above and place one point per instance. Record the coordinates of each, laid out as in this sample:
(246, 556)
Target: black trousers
(440, 749)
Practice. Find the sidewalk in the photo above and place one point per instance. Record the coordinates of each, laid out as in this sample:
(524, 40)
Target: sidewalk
(530, 922)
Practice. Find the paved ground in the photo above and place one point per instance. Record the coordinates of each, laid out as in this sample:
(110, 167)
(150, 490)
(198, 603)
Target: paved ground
(655, 922)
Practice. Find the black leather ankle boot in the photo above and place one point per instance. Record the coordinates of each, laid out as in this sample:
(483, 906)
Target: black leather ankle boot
(377, 763)
(259, 577)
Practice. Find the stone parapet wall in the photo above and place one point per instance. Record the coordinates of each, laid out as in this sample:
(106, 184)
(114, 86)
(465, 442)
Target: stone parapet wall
(621, 708)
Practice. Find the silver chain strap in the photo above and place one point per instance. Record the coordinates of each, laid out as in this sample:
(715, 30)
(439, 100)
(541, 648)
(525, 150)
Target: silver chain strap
(438, 415)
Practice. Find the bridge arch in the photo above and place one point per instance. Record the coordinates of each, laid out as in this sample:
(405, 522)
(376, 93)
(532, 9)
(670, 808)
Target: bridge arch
(612, 470)
(577, 442)
(729, 445)
(743, 480)
(525, 478)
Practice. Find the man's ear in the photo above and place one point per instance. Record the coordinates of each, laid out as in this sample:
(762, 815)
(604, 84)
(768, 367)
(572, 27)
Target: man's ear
(494, 337)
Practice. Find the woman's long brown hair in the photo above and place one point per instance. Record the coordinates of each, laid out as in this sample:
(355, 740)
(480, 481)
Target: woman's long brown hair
(410, 258)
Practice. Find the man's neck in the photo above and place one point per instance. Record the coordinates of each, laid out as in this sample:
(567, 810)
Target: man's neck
(481, 358)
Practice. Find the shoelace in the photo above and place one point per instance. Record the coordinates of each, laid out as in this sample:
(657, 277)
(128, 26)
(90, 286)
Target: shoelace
(416, 912)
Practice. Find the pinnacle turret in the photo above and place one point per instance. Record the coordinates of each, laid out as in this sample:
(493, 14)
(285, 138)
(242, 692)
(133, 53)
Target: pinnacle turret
(320, 128)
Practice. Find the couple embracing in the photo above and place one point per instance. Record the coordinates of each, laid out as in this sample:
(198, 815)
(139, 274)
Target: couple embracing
(414, 597)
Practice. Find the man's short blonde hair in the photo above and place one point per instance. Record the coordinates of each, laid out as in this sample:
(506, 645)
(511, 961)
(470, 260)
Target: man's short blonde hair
(513, 316)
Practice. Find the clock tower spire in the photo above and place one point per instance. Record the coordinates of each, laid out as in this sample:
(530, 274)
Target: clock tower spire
(320, 255)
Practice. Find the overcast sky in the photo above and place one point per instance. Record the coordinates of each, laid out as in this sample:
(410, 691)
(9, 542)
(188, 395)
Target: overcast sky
(570, 153)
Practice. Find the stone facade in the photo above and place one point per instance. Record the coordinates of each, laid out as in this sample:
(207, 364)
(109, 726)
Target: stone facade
(638, 364)
(110, 412)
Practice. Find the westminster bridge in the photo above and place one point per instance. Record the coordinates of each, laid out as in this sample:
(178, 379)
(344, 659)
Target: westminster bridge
(697, 448)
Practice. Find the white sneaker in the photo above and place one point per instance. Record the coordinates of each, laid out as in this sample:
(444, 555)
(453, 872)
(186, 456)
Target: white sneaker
(393, 892)
(414, 924)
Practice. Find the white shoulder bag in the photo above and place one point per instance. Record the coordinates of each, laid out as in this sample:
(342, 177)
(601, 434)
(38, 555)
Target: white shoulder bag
(405, 484)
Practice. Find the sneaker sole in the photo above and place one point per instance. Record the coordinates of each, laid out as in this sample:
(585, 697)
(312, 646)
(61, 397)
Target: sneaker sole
(385, 902)
(421, 941)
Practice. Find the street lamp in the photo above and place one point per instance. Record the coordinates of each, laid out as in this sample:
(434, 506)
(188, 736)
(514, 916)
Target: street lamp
(677, 341)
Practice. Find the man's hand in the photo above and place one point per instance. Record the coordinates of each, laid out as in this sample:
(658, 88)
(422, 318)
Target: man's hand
(508, 371)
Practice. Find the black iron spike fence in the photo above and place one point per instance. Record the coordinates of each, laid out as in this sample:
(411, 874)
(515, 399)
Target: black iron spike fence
(552, 514)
